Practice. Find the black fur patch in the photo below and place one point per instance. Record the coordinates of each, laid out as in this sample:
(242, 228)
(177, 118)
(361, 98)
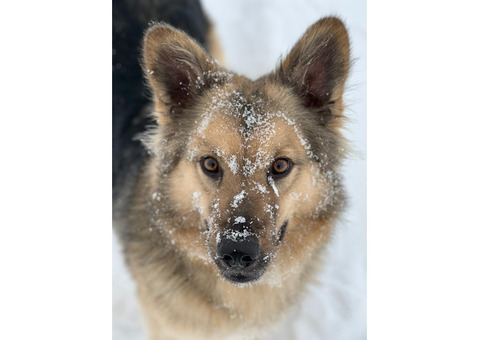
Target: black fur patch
(282, 231)
(130, 95)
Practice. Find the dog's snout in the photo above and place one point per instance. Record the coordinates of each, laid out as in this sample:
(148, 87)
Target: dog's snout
(239, 253)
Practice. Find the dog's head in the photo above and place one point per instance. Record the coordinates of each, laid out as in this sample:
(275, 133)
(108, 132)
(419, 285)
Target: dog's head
(250, 167)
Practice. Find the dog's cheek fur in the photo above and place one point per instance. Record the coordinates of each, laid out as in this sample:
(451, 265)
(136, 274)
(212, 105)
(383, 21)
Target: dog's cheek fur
(191, 202)
(306, 207)
(303, 197)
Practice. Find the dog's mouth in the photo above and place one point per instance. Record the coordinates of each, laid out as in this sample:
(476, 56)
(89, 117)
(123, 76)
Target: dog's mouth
(282, 231)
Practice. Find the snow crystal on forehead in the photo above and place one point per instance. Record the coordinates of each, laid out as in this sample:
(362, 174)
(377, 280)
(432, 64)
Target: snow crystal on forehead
(233, 103)
(219, 102)
(258, 122)
(303, 141)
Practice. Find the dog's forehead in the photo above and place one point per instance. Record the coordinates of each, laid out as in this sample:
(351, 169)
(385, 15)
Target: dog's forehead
(234, 123)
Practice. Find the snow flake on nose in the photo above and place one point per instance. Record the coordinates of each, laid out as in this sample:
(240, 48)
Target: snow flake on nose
(260, 188)
(239, 219)
(237, 199)
(236, 235)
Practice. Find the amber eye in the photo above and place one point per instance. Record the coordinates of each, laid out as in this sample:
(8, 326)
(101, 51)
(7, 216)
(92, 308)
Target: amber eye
(281, 167)
(210, 166)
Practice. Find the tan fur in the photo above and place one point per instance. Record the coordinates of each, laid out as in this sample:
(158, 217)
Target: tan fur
(215, 47)
(178, 213)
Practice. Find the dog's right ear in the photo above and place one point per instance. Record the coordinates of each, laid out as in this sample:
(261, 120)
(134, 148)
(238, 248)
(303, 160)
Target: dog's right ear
(177, 68)
(317, 66)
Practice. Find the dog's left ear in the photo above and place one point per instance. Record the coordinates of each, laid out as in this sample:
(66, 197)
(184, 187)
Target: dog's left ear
(178, 69)
(317, 66)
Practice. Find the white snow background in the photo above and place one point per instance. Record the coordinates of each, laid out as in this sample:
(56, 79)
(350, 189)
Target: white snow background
(254, 34)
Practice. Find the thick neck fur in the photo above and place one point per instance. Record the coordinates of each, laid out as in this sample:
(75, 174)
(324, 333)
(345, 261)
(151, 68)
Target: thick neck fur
(200, 302)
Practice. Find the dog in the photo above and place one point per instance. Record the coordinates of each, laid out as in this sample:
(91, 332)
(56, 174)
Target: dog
(226, 190)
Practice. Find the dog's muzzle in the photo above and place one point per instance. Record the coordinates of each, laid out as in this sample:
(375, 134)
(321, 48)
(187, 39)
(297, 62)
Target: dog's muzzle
(239, 254)
(239, 259)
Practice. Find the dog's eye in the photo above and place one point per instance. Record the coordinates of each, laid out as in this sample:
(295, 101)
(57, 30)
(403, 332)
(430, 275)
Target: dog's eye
(210, 166)
(281, 167)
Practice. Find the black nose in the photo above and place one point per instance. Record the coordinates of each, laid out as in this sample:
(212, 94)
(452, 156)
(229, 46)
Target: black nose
(239, 254)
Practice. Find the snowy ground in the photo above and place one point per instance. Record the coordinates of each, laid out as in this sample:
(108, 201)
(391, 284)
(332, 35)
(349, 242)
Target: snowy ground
(254, 34)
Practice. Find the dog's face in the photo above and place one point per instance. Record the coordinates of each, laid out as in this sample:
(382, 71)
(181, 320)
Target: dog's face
(251, 167)
(249, 174)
